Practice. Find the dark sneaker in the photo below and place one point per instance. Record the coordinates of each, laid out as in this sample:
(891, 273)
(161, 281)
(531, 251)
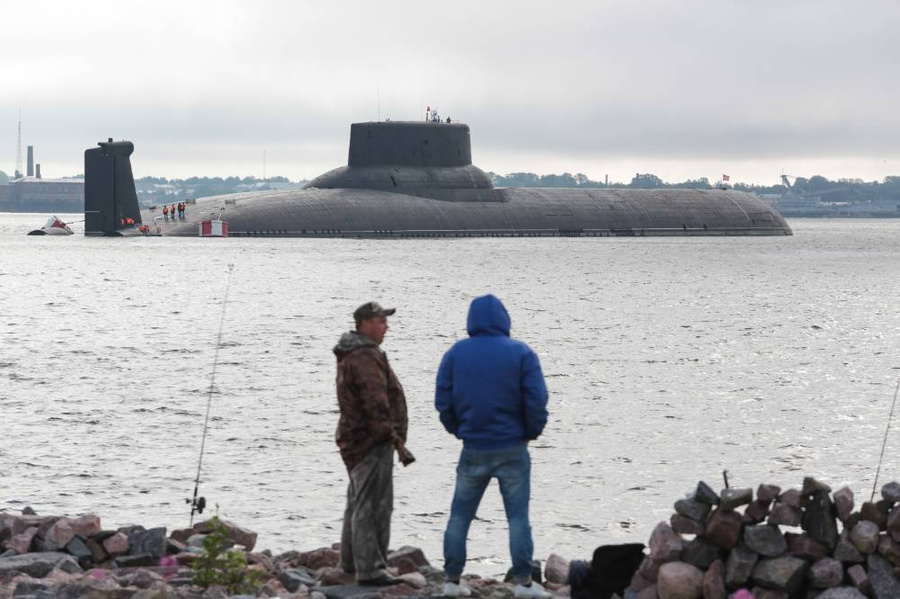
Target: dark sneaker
(384, 580)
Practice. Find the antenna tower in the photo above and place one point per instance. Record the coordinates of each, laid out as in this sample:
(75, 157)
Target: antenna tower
(18, 174)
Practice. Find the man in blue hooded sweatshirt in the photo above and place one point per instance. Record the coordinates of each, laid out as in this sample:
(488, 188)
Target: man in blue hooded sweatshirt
(491, 394)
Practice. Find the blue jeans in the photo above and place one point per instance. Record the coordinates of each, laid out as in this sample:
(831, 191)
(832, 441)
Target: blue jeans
(511, 467)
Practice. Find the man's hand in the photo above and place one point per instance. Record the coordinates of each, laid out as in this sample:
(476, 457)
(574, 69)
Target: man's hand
(405, 455)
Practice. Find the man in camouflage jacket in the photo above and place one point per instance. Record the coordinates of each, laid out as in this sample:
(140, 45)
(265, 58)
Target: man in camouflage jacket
(372, 426)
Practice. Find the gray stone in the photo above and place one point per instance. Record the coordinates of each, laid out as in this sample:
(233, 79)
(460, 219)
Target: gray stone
(846, 551)
(739, 566)
(701, 553)
(785, 573)
(884, 585)
(842, 593)
(891, 492)
(767, 493)
(802, 546)
(893, 524)
(756, 512)
(693, 509)
(785, 515)
(859, 578)
(714, 581)
(36, 565)
(843, 503)
(765, 540)
(678, 580)
(152, 542)
(874, 512)
(686, 526)
(705, 494)
(819, 520)
(665, 544)
(293, 578)
(78, 549)
(889, 549)
(790, 497)
(864, 537)
(347, 591)
(734, 498)
(556, 569)
(724, 528)
(761, 593)
(141, 560)
(826, 573)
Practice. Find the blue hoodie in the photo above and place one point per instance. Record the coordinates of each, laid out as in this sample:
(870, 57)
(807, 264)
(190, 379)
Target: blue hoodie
(490, 389)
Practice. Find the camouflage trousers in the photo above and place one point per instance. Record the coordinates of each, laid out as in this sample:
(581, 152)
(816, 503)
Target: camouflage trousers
(367, 517)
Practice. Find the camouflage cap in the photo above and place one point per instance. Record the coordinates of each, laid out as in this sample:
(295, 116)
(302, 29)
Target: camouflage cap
(371, 310)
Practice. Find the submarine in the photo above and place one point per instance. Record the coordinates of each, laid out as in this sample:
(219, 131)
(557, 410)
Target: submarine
(409, 179)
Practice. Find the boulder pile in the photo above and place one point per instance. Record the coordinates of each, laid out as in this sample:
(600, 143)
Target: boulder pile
(806, 543)
(52, 557)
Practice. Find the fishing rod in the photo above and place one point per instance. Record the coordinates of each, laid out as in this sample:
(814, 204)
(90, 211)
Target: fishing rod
(198, 504)
(884, 444)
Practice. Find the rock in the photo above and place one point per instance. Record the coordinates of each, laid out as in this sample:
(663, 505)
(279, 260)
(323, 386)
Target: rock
(639, 583)
(785, 515)
(183, 534)
(864, 537)
(724, 528)
(86, 526)
(678, 580)
(80, 551)
(649, 569)
(334, 576)
(756, 512)
(790, 497)
(705, 494)
(557, 569)
(785, 573)
(893, 524)
(826, 573)
(238, 535)
(413, 553)
(142, 579)
(811, 486)
(858, 577)
(36, 565)
(734, 498)
(843, 503)
(152, 542)
(739, 566)
(21, 543)
(116, 545)
(69, 566)
(891, 492)
(317, 595)
(884, 584)
(889, 549)
(196, 541)
(648, 593)
(323, 558)
(415, 580)
(714, 581)
(700, 553)
(764, 539)
(846, 551)
(294, 578)
(405, 566)
(98, 553)
(767, 493)
(841, 593)
(58, 535)
(683, 525)
(802, 546)
(874, 513)
(25, 588)
(693, 509)
(761, 593)
(819, 520)
(665, 544)
(140, 560)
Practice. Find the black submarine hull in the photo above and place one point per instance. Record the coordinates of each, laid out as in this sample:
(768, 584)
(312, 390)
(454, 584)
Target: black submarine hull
(503, 212)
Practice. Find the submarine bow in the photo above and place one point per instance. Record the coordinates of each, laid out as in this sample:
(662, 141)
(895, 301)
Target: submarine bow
(414, 179)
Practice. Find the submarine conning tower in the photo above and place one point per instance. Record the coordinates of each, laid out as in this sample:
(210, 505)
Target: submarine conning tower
(407, 157)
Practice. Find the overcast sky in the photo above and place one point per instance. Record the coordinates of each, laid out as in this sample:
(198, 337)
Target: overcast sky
(680, 89)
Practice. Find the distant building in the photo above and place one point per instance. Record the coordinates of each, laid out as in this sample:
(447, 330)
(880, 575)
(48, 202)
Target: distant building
(31, 194)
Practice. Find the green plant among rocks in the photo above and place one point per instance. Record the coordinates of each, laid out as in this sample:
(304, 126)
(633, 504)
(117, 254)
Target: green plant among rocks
(219, 564)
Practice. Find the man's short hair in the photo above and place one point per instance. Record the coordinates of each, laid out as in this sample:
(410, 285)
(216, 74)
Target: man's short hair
(371, 310)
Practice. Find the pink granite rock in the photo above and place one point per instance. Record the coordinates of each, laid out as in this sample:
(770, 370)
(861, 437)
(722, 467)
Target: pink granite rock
(86, 526)
(890, 549)
(826, 573)
(21, 543)
(557, 569)
(790, 497)
(714, 581)
(859, 579)
(678, 580)
(59, 535)
(116, 545)
(724, 528)
(785, 515)
(665, 544)
(843, 503)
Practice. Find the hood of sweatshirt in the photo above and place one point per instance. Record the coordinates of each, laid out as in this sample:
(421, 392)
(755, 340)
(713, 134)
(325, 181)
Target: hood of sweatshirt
(487, 316)
(350, 341)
